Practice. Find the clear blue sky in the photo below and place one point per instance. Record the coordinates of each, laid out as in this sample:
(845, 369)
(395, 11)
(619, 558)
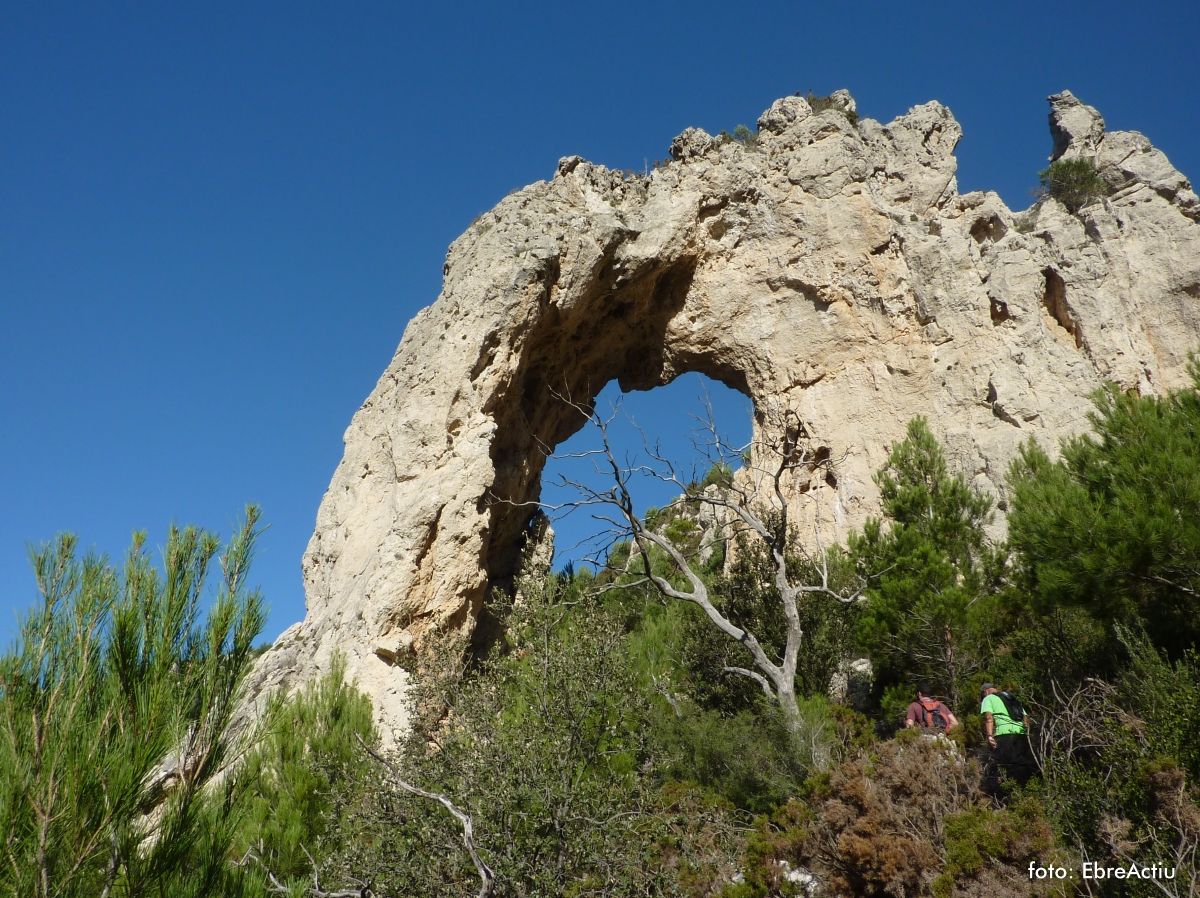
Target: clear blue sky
(216, 221)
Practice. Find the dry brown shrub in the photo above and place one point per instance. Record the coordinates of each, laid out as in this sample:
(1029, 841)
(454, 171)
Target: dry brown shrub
(878, 830)
(902, 821)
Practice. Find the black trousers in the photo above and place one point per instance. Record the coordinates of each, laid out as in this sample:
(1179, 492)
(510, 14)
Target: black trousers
(1011, 759)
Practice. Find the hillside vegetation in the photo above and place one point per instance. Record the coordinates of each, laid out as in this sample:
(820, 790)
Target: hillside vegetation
(606, 745)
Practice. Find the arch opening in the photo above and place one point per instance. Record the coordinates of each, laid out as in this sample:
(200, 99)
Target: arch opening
(569, 353)
(680, 421)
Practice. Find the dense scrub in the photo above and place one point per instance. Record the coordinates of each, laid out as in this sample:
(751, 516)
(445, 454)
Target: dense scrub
(603, 748)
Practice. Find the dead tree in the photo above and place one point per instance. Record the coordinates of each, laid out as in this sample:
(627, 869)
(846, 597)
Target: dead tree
(756, 506)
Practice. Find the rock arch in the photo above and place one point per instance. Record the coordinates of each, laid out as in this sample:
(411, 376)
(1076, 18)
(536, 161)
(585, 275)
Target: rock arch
(830, 269)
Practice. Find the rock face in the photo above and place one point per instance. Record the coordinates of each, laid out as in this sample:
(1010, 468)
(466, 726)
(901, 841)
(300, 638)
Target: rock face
(828, 269)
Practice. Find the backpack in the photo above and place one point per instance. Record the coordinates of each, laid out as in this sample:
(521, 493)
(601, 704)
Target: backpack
(1012, 707)
(932, 716)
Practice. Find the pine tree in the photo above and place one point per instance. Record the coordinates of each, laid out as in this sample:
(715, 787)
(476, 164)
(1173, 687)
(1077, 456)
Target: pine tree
(308, 752)
(1114, 526)
(928, 569)
(115, 708)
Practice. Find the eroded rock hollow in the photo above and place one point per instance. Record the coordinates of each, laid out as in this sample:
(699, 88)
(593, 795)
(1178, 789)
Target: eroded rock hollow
(830, 268)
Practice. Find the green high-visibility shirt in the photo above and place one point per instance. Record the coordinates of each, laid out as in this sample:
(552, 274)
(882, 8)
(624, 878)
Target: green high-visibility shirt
(1005, 725)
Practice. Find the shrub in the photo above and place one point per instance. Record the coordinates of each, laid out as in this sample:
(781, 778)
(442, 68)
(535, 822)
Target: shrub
(742, 757)
(543, 745)
(307, 751)
(1171, 828)
(1115, 800)
(877, 821)
(1106, 529)
(1034, 650)
(1073, 182)
(1163, 694)
(903, 820)
(651, 517)
(1025, 222)
(682, 532)
(988, 850)
(693, 838)
(720, 474)
(743, 134)
(821, 103)
(774, 846)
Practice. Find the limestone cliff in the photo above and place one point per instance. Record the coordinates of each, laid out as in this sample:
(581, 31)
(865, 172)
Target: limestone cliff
(831, 269)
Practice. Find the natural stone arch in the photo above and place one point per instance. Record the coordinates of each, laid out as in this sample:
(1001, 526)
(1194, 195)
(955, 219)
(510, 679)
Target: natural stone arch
(831, 269)
(534, 411)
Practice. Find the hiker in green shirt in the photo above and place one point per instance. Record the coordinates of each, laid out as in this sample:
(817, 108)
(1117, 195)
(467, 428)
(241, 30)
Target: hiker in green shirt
(1006, 726)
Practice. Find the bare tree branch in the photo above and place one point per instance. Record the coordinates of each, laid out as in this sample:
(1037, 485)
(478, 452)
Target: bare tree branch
(756, 505)
(661, 687)
(275, 886)
(756, 677)
(487, 878)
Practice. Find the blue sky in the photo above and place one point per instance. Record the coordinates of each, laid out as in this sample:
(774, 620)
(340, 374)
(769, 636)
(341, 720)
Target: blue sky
(217, 220)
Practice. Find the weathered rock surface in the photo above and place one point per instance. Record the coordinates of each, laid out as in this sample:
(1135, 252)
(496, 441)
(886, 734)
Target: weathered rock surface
(829, 269)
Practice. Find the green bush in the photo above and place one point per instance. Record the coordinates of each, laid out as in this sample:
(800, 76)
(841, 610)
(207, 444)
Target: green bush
(1031, 650)
(743, 134)
(544, 744)
(992, 847)
(307, 751)
(683, 532)
(692, 840)
(1073, 182)
(1163, 694)
(720, 474)
(776, 843)
(650, 518)
(743, 757)
(1109, 527)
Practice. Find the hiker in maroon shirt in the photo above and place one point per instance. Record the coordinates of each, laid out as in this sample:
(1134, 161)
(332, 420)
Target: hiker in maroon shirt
(929, 714)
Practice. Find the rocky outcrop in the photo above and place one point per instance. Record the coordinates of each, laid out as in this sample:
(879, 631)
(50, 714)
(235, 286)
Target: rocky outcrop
(1126, 159)
(828, 268)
